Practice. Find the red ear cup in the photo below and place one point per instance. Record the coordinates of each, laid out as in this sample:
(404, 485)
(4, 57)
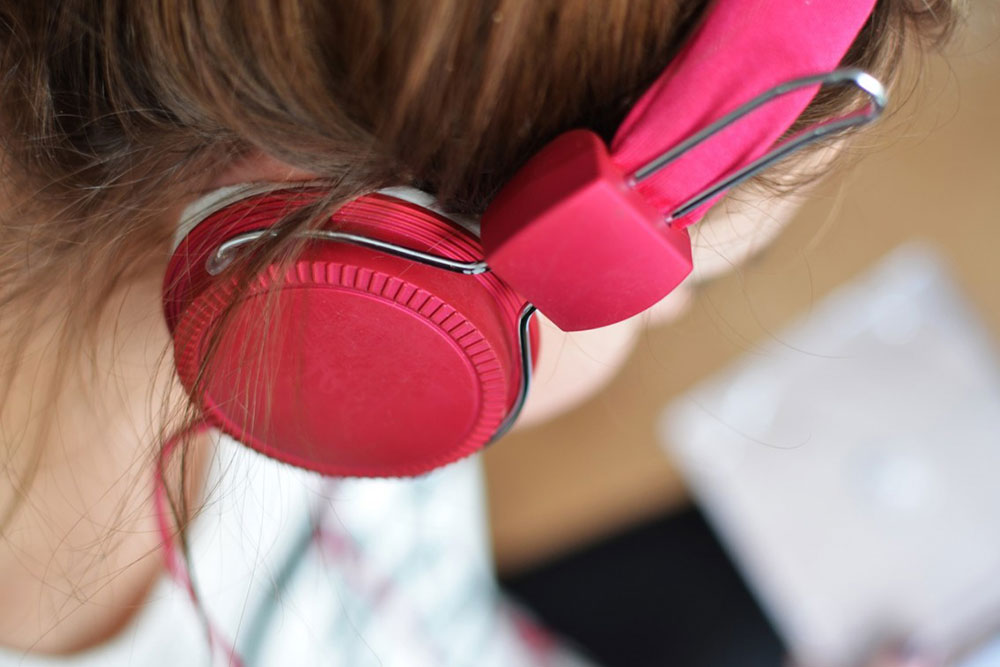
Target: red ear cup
(351, 361)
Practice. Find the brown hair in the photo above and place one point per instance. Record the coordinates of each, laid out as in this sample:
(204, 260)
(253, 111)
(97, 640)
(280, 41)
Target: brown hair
(113, 110)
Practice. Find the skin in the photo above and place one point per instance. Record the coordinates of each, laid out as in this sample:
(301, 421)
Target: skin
(82, 552)
(81, 555)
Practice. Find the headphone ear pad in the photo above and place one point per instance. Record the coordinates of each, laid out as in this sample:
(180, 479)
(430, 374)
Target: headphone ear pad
(349, 361)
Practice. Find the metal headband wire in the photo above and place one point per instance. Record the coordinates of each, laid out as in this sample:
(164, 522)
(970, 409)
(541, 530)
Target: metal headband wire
(226, 252)
(839, 77)
(524, 347)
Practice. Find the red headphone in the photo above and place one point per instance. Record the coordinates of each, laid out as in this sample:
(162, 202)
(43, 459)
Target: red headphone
(400, 341)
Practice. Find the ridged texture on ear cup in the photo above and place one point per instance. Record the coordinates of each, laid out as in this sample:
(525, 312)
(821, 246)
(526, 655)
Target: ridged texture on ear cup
(362, 364)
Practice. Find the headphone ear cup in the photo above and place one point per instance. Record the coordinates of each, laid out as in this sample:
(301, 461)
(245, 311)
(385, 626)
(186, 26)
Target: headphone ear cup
(349, 361)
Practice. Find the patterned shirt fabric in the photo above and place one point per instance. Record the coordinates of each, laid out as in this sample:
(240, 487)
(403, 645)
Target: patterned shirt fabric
(291, 568)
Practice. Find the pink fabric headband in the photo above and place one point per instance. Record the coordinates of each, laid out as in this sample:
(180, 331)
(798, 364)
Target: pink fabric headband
(782, 40)
(592, 236)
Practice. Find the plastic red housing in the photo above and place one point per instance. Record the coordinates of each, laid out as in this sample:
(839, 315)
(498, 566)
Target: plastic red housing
(575, 239)
(350, 361)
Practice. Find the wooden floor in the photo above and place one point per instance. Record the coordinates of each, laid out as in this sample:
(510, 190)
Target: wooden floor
(931, 173)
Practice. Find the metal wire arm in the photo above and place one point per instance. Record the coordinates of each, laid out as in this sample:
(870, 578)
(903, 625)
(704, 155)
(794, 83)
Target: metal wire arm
(840, 77)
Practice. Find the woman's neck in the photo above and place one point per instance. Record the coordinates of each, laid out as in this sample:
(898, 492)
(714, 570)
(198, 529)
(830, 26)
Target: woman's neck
(80, 546)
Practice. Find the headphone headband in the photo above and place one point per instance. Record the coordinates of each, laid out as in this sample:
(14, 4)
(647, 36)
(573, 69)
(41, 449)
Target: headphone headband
(619, 248)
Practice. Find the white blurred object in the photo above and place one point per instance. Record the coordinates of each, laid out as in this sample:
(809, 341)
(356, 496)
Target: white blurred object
(852, 467)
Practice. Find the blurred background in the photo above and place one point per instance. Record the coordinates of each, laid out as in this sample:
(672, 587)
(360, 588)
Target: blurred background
(612, 524)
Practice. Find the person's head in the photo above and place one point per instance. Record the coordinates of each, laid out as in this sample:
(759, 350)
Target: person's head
(114, 114)
(112, 109)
